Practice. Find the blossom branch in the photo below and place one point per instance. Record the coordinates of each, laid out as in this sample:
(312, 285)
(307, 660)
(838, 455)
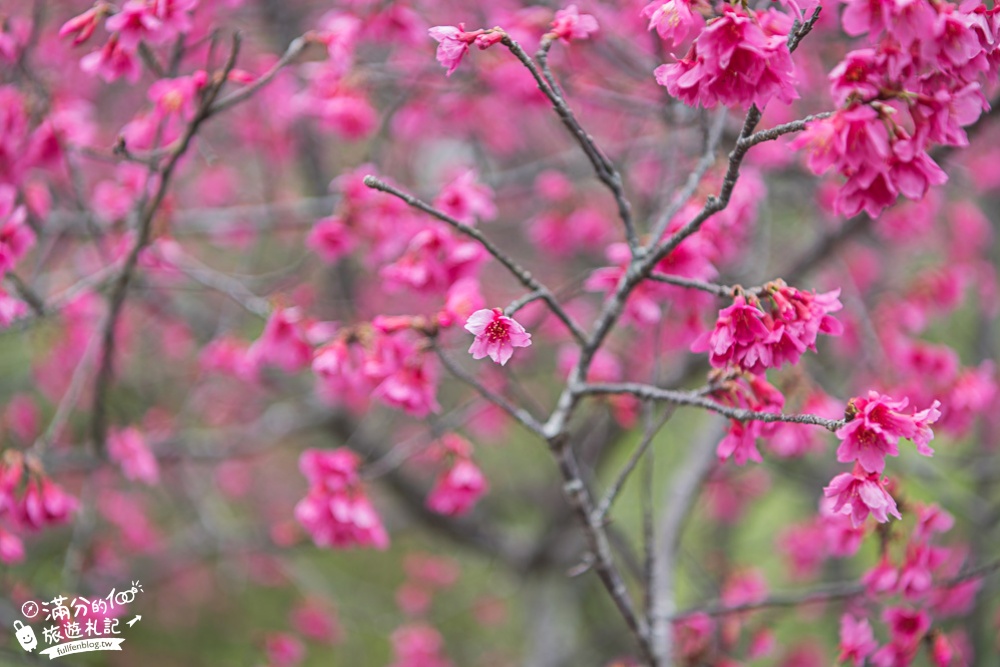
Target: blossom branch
(522, 275)
(119, 289)
(520, 415)
(826, 593)
(650, 392)
(606, 171)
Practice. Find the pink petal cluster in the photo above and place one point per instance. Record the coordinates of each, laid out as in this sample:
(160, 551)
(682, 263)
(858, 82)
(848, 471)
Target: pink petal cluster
(128, 448)
(336, 512)
(496, 335)
(747, 337)
(330, 238)
(733, 62)
(859, 493)
(570, 24)
(877, 426)
(284, 649)
(11, 309)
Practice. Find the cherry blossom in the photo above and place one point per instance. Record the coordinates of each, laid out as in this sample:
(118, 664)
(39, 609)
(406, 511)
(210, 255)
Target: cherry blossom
(496, 335)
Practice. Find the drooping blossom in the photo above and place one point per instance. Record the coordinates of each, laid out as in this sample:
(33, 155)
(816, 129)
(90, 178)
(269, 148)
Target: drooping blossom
(878, 424)
(133, 23)
(11, 548)
(83, 25)
(336, 512)
(44, 504)
(570, 24)
(859, 494)
(496, 335)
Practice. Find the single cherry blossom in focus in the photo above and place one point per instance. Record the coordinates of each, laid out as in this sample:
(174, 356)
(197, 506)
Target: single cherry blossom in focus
(496, 335)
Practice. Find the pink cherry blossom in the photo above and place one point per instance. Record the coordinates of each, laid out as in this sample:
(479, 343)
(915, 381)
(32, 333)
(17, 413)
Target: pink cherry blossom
(112, 61)
(859, 494)
(11, 309)
(283, 343)
(133, 23)
(284, 650)
(875, 431)
(16, 237)
(83, 25)
(44, 504)
(11, 548)
(330, 238)
(496, 335)
(570, 24)
(128, 448)
(733, 63)
(674, 20)
(467, 200)
(857, 641)
(458, 489)
(336, 512)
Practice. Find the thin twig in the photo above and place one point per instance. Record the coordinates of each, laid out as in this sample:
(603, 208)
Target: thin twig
(522, 275)
(650, 392)
(606, 171)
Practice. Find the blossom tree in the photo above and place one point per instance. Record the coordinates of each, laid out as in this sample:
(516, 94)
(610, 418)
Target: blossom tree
(627, 326)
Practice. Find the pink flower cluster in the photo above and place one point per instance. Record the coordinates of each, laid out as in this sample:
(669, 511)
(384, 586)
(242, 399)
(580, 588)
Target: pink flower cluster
(878, 424)
(390, 367)
(735, 60)
(29, 500)
(918, 86)
(462, 484)
(336, 512)
(751, 339)
(496, 335)
(872, 432)
(137, 21)
(453, 43)
(752, 393)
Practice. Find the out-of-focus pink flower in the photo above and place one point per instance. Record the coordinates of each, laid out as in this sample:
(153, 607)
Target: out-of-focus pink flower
(496, 335)
(856, 640)
(45, 504)
(458, 489)
(317, 621)
(463, 299)
(133, 23)
(283, 343)
(11, 309)
(112, 62)
(11, 548)
(330, 238)
(16, 237)
(128, 448)
(336, 512)
(284, 650)
(467, 200)
(570, 24)
(179, 95)
(83, 25)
